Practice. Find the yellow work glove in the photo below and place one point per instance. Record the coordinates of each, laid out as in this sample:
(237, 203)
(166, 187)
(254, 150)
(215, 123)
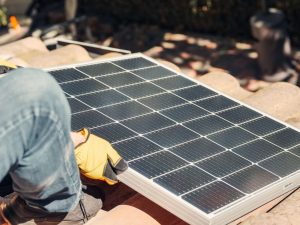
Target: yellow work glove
(98, 160)
(6, 66)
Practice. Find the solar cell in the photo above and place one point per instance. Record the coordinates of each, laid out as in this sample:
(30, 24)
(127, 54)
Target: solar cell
(134, 63)
(162, 101)
(239, 115)
(223, 164)
(185, 179)
(103, 98)
(77, 106)
(217, 103)
(197, 149)
(213, 196)
(251, 179)
(282, 164)
(136, 147)
(173, 83)
(109, 133)
(154, 73)
(157, 164)
(262, 126)
(99, 69)
(140, 90)
(120, 79)
(232, 137)
(64, 75)
(195, 93)
(83, 87)
(184, 112)
(125, 110)
(257, 150)
(286, 138)
(89, 119)
(172, 136)
(144, 124)
(208, 125)
(296, 150)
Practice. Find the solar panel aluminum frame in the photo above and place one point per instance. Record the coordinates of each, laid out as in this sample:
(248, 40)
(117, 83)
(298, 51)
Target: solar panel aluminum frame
(183, 209)
(195, 216)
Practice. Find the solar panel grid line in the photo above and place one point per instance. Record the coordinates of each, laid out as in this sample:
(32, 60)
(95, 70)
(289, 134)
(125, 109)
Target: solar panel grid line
(232, 137)
(227, 96)
(67, 74)
(280, 150)
(176, 123)
(246, 176)
(223, 164)
(169, 91)
(295, 150)
(190, 164)
(286, 134)
(169, 172)
(247, 121)
(209, 183)
(149, 111)
(95, 77)
(83, 87)
(263, 126)
(269, 134)
(186, 121)
(158, 164)
(143, 156)
(123, 79)
(80, 102)
(128, 139)
(188, 178)
(163, 148)
(173, 83)
(185, 166)
(70, 81)
(202, 84)
(99, 69)
(193, 80)
(216, 103)
(220, 153)
(144, 124)
(211, 202)
(138, 69)
(285, 164)
(158, 111)
(236, 125)
(91, 97)
(208, 97)
(206, 144)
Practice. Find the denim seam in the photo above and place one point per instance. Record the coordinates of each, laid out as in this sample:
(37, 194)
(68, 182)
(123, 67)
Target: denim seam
(39, 111)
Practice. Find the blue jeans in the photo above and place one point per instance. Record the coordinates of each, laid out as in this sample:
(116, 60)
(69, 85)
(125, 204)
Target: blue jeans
(35, 144)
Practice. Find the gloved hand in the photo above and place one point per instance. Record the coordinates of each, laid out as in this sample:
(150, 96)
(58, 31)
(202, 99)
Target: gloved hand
(97, 159)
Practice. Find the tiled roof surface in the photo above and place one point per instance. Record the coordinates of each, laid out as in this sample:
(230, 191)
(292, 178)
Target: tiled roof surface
(280, 100)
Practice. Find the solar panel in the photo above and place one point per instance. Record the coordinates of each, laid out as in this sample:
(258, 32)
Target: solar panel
(203, 156)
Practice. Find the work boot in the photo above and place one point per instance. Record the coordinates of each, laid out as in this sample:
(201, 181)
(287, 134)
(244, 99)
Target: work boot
(16, 212)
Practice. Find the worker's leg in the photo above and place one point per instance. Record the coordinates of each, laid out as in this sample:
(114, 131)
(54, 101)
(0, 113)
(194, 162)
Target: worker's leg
(35, 144)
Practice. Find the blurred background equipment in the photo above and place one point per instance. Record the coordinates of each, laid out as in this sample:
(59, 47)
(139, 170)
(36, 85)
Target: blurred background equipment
(3, 18)
(273, 46)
